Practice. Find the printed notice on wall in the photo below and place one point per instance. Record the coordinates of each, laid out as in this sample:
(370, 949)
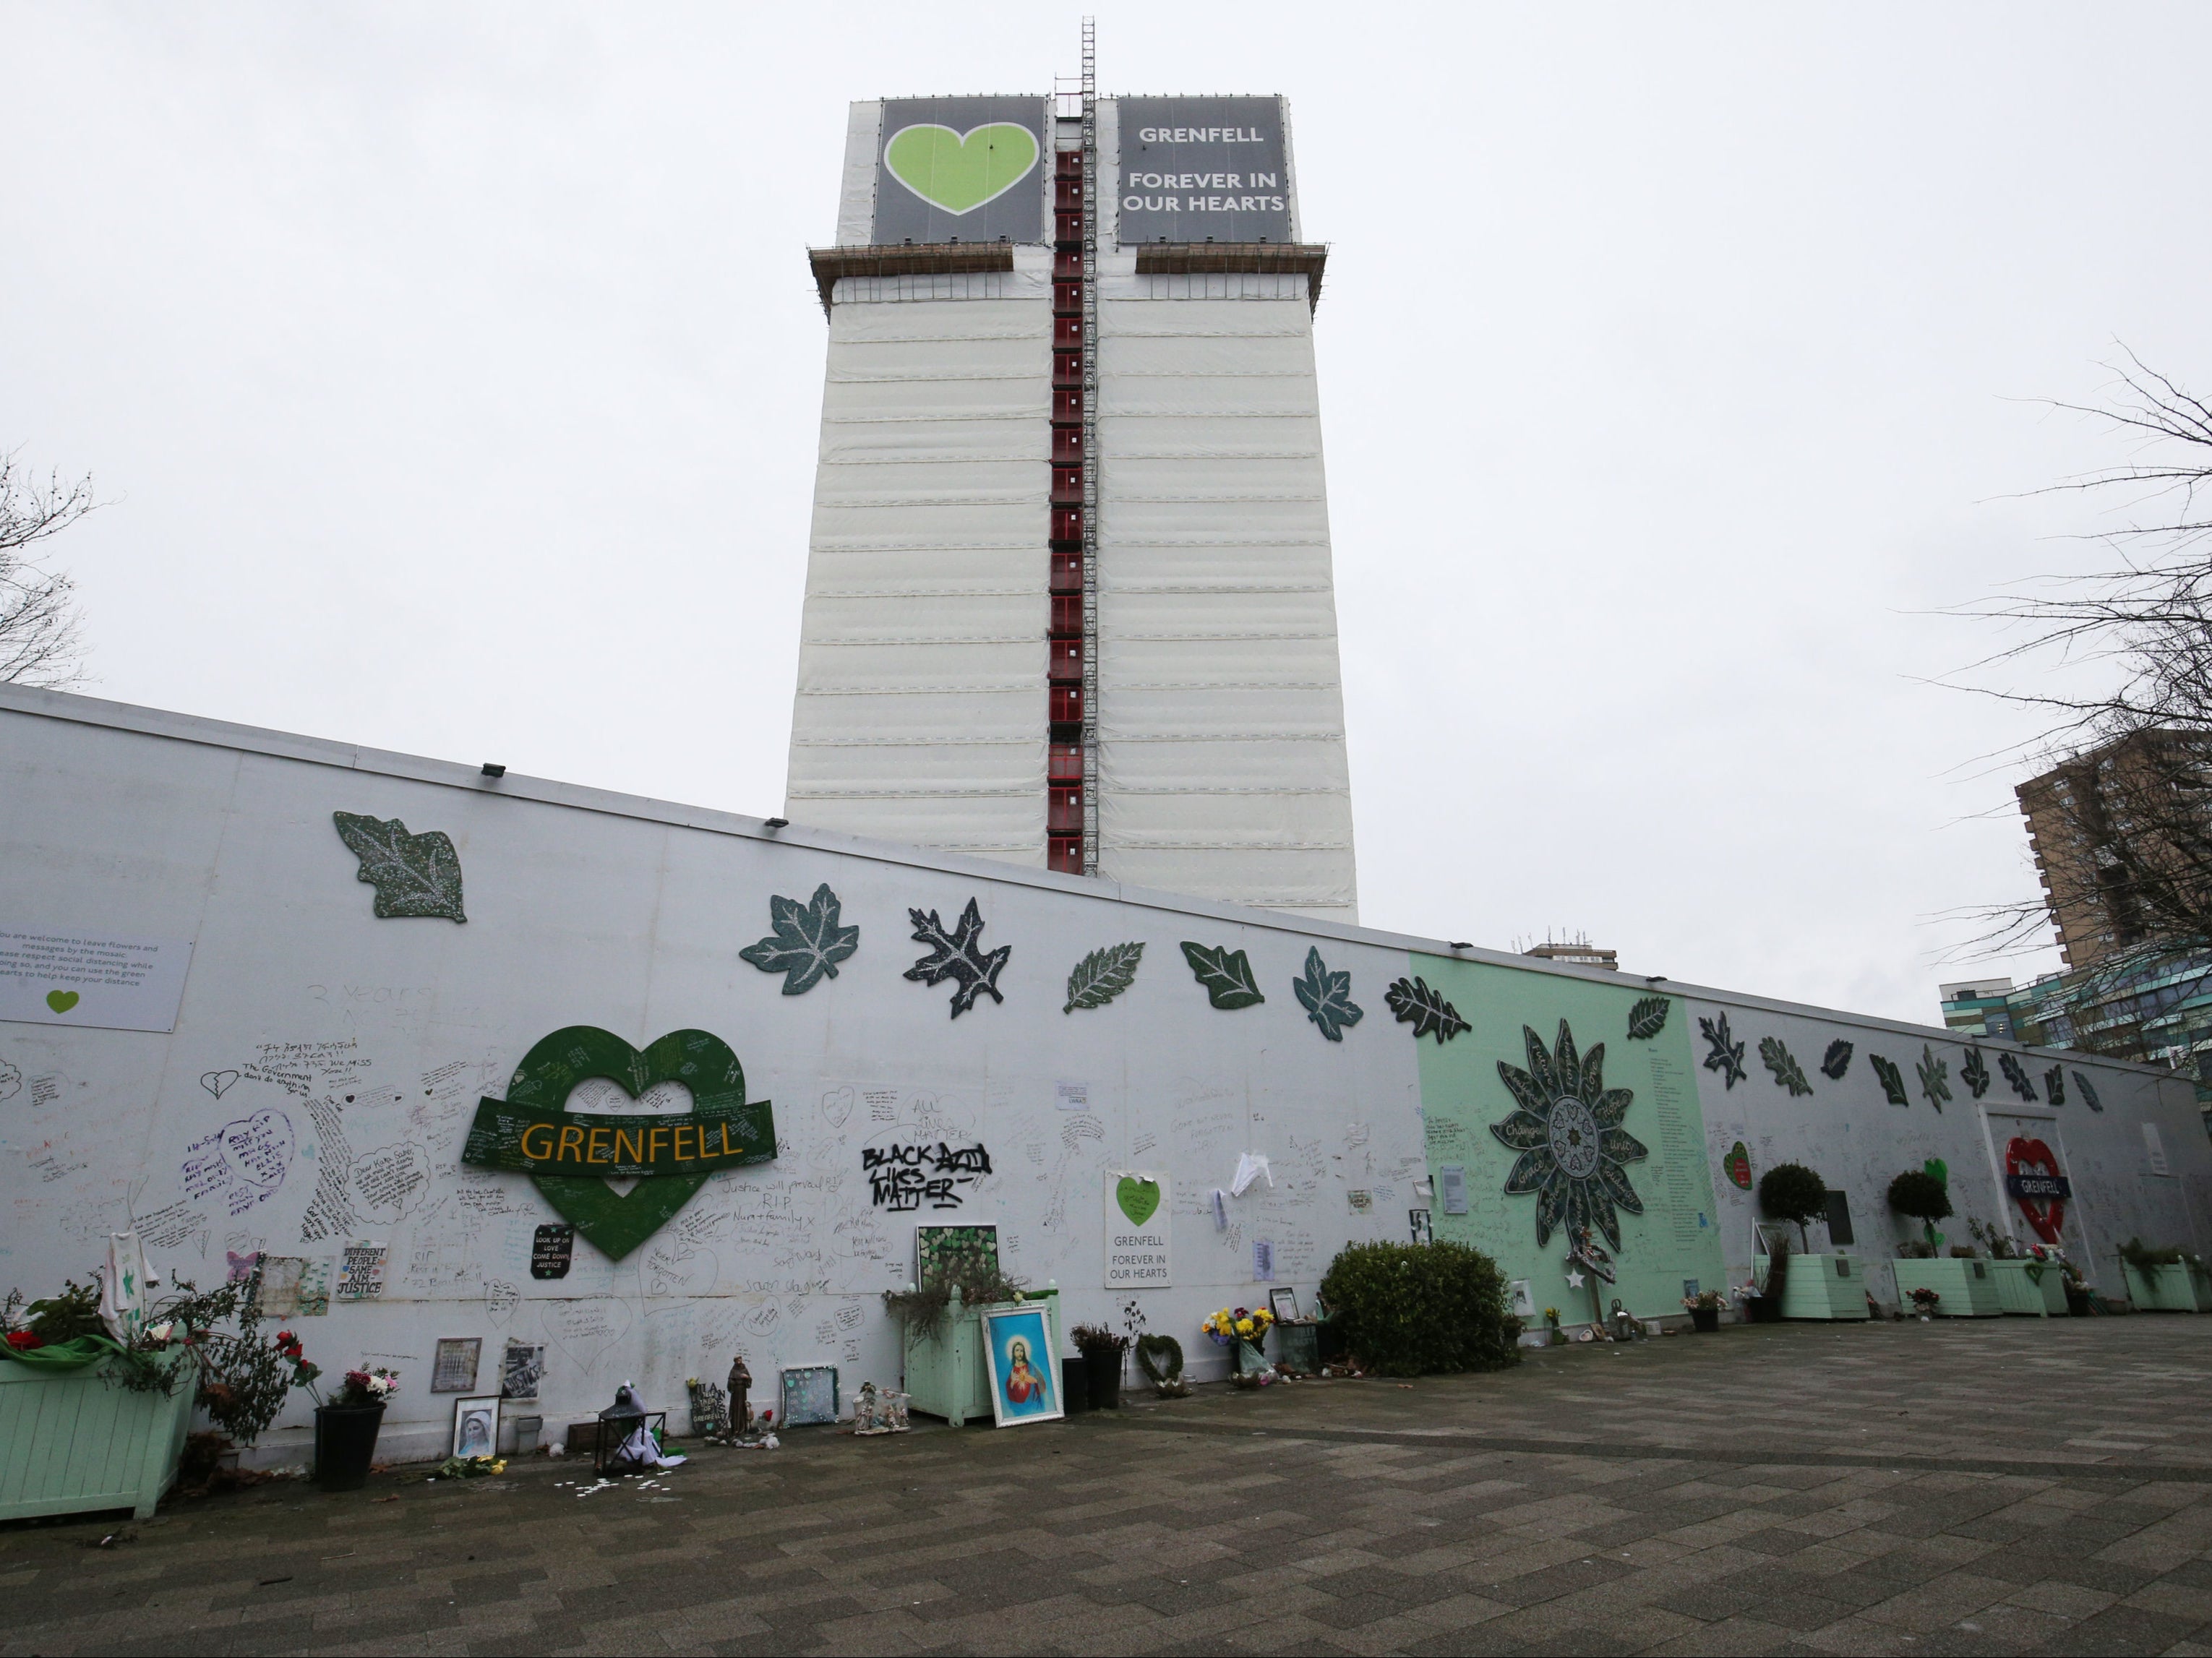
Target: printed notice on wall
(1136, 1231)
(112, 984)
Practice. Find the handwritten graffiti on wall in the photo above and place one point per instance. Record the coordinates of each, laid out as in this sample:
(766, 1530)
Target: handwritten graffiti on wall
(904, 1177)
(241, 1162)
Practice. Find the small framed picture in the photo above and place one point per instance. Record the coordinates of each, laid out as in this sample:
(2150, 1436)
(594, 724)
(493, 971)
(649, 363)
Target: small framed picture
(454, 1369)
(476, 1426)
(1283, 1302)
(1018, 1348)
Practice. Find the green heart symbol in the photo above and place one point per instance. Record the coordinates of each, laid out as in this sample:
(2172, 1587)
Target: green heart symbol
(1137, 1198)
(61, 1001)
(958, 174)
(617, 1221)
(1939, 1168)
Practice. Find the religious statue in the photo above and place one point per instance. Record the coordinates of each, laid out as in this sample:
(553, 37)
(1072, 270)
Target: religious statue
(741, 1416)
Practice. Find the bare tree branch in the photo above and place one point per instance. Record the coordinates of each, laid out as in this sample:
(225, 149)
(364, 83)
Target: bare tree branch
(41, 630)
(2120, 806)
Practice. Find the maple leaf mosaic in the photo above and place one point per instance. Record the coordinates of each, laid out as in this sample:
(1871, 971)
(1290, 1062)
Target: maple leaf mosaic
(1567, 1129)
(807, 943)
(957, 955)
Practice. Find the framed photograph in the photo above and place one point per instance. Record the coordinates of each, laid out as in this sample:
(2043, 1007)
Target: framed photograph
(454, 1369)
(1024, 1370)
(476, 1426)
(957, 1252)
(809, 1394)
(1283, 1302)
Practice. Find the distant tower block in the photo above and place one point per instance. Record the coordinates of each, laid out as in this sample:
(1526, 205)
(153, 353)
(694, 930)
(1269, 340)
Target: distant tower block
(1069, 595)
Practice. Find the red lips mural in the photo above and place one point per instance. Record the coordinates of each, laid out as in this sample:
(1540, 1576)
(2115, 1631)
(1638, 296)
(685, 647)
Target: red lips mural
(2032, 1177)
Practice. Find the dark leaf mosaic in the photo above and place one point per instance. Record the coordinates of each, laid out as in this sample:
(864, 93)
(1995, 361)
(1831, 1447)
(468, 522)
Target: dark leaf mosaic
(957, 955)
(1416, 1004)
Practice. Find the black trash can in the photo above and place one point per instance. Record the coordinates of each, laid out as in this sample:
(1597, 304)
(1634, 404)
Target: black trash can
(1074, 1386)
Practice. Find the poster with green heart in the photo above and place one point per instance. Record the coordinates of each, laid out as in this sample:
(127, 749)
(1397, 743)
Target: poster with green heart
(1137, 1231)
(664, 1158)
(966, 169)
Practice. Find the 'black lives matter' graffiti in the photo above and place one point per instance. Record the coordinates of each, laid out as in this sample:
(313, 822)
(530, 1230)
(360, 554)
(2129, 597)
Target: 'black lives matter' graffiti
(904, 1177)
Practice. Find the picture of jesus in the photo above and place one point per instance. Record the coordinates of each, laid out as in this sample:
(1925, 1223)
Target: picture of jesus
(1018, 1348)
(1021, 1381)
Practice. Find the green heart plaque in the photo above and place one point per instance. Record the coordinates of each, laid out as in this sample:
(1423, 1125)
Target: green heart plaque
(61, 1001)
(1137, 1198)
(959, 173)
(531, 1131)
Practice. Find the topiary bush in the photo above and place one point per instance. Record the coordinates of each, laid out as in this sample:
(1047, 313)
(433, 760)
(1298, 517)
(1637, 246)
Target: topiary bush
(1918, 1193)
(1791, 1191)
(1412, 1308)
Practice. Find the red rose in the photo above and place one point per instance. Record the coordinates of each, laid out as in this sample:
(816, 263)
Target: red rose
(22, 1340)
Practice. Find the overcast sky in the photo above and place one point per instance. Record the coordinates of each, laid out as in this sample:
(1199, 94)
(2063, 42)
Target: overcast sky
(454, 371)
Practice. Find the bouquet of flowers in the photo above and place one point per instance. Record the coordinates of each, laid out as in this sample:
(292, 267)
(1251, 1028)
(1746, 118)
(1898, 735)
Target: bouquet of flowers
(1925, 1300)
(1232, 1324)
(1705, 1301)
(359, 1387)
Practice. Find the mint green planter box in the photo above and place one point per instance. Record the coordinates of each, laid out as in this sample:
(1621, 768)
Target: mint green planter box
(70, 1443)
(1824, 1286)
(945, 1374)
(1968, 1288)
(2019, 1292)
(2180, 1288)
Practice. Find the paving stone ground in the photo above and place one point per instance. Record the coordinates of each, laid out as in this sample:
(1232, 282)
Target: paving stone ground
(1992, 1486)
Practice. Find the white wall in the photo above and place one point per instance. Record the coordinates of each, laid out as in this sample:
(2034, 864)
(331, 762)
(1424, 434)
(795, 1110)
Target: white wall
(375, 1039)
(1858, 1141)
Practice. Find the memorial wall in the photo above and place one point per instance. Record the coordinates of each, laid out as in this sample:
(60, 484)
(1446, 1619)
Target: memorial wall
(499, 1080)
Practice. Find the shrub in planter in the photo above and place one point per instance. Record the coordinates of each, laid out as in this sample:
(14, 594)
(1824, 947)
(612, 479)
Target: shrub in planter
(1919, 1195)
(1409, 1308)
(1791, 1191)
(1102, 1349)
(2146, 1260)
(1704, 1310)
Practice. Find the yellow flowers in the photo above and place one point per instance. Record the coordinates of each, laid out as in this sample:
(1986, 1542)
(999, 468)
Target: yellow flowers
(1238, 1324)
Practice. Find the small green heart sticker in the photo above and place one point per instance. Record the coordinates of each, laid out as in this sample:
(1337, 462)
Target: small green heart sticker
(1137, 1199)
(61, 1001)
(959, 173)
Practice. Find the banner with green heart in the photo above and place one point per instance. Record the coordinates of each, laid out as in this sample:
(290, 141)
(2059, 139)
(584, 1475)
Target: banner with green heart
(966, 170)
(1137, 1212)
(960, 171)
(670, 1155)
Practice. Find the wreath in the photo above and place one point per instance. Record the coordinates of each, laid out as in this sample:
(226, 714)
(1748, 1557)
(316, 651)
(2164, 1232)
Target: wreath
(1160, 1358)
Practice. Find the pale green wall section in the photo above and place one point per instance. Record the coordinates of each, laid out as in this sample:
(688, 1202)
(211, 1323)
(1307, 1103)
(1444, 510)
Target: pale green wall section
(1675, 1237)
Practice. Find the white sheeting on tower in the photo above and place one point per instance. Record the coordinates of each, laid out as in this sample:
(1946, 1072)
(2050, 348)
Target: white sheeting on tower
(920, 709)
(1222, 759)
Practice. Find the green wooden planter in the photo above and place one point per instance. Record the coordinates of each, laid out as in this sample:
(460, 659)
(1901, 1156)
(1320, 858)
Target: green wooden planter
(1824, 1286)
(1968, 1288)
(2180, 1288)
(2019, 1291)
(70, 1443)
(945, 1374)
